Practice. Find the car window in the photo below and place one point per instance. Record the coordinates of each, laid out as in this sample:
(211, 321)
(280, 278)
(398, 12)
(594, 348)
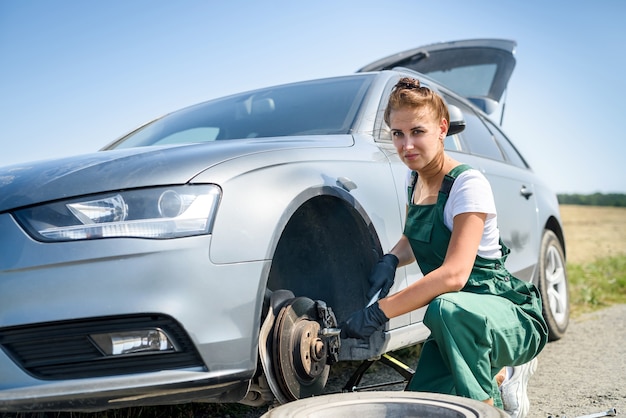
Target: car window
(319, 107)
(200, 134)
(468, 81)
(482, 137)
(473, 68)
(511, 153)
(477, 137)
(471, 72)
(452, 143)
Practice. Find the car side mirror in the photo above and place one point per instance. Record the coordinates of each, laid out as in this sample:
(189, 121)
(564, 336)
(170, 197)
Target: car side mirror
(457, 123)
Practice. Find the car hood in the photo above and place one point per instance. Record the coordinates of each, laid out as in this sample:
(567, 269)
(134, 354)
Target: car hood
(36, 182)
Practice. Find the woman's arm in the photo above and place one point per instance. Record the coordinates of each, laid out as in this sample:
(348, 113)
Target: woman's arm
(403, 251)
(467, 232)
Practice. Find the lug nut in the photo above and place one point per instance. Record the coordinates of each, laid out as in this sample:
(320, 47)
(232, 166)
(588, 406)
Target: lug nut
(318, 349)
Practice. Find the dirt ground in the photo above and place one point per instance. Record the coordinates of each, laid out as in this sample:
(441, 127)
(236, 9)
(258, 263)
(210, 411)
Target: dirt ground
(585, 371)
(593, 232)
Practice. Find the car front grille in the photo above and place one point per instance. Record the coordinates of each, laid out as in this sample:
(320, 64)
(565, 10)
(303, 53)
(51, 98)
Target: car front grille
(63, 350)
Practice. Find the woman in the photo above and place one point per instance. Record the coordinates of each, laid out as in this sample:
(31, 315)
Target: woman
(481, 318)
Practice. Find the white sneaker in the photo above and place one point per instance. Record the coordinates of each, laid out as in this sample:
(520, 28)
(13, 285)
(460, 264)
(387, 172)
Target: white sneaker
(513, 389)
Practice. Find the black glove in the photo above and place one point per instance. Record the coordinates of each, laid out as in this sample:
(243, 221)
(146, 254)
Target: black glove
(382, 276)
(364, 323)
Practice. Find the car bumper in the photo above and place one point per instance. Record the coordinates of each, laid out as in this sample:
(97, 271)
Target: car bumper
(54, 294)
(89, 395)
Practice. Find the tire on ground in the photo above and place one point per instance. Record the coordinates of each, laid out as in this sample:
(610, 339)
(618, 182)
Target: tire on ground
(385, 404)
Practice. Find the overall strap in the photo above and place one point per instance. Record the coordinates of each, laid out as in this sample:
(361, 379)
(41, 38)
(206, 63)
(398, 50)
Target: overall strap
(449, 178)
(411, 187)
(446, 185)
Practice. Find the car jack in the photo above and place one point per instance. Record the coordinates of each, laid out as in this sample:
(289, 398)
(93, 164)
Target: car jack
(405, 371)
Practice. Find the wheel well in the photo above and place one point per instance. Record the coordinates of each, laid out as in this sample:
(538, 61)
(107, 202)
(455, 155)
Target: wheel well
(554, 226)
(326, 252)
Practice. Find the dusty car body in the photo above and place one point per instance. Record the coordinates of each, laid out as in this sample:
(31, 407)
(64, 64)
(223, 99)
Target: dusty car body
(204, 256)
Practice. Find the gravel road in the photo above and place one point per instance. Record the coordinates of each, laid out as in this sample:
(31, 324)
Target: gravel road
(584, 372)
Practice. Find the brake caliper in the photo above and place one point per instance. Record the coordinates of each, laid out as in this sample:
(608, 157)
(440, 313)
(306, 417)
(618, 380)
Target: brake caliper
(329, 331)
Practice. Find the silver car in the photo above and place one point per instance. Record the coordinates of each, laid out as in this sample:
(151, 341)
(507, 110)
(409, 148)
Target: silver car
(211, 254)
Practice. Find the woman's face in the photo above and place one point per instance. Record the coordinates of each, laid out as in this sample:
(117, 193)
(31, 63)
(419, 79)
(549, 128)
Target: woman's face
(417, 135)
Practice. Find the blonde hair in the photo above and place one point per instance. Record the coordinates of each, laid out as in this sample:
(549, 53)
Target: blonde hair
(409, 93)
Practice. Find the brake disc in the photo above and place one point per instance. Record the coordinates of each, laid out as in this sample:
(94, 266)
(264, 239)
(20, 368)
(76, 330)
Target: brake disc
(299, 354)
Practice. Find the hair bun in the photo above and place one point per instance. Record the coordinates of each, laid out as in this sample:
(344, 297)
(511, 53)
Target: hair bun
(408, 83)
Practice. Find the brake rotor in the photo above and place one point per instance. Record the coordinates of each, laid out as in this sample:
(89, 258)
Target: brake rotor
(299, 354)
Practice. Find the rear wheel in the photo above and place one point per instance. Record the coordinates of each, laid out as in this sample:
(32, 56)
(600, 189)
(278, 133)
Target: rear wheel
(553, 285)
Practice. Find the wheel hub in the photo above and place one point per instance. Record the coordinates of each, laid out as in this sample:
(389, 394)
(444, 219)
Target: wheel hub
(299, 358)
(300, 370)
(311, 361)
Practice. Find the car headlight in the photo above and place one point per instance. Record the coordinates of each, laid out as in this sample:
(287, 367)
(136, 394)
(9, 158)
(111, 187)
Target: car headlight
(157, 213)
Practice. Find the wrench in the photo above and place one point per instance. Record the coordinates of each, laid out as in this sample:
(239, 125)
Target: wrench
(329, 332)
(610, 413)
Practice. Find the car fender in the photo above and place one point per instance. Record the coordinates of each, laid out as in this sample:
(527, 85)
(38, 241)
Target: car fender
(261, 192)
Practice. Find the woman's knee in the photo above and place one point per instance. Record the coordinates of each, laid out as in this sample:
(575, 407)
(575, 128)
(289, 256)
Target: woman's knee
(439, 311)
(454, 311)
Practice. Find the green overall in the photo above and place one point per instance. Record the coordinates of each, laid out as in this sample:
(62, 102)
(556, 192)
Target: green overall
(494, 321)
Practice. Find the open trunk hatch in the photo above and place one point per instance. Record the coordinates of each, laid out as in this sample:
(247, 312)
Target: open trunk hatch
(477, 69)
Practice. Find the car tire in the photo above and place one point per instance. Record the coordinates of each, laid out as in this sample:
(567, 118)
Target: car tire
(553, 285)
(385, 404)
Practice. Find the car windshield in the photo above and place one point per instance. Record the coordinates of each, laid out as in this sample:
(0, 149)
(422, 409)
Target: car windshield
(320, 107)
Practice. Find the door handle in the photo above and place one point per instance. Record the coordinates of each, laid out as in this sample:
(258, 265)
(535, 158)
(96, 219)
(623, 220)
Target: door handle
(526, 192)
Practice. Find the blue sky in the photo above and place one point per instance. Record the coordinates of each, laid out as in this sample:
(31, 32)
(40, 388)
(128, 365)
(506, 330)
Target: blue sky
(75, 75)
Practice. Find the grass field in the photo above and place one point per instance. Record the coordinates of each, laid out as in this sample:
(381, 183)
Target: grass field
(595, 239)
(593, 232)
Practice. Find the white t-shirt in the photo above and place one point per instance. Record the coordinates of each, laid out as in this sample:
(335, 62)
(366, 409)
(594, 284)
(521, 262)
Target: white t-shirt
(471, 192)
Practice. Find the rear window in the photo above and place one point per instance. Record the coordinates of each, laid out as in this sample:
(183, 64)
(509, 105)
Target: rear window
(468, 81)
(509, 150)
(478, 138)
(471, 72)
